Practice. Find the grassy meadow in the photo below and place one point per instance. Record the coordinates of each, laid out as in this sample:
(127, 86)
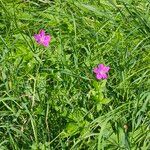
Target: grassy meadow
(50, 98)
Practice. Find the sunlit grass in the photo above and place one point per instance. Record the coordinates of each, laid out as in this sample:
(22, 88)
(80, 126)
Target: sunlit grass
(50, 98)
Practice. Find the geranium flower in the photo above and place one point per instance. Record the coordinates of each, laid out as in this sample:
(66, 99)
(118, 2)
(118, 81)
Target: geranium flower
(42, 38)
(101, 71)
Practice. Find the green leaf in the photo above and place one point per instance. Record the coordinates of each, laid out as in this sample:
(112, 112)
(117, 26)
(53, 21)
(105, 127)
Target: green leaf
(105, 100)
(99, 107)
(72, 129)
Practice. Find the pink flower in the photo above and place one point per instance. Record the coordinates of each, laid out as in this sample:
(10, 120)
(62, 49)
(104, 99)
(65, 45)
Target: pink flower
(42, 38)
(101, 71)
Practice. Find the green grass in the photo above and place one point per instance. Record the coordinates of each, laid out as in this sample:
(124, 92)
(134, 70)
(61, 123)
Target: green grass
(50, 98)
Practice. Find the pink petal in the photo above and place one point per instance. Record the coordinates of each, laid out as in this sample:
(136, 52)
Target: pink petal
(95, 70)
(45, 43)
(42, 33)
(104, 76)
(98, 76)
(37, 37)
(47, 38)
(101, 66)
(106, 69)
